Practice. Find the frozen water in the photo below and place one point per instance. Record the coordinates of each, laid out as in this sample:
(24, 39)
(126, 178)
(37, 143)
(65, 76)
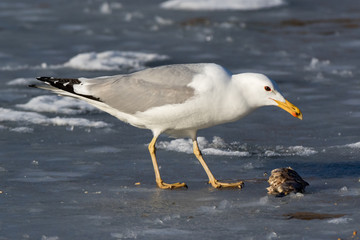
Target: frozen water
(69, 171)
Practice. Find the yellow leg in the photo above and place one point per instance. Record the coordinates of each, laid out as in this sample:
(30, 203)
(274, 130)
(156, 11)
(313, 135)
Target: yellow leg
(159, 181)
(215, 183)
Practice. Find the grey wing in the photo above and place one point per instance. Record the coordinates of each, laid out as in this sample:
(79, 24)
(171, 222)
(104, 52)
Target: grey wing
(130, 95)
(145, 89)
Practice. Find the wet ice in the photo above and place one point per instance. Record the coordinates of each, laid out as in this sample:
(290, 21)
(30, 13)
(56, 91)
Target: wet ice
(69, 171)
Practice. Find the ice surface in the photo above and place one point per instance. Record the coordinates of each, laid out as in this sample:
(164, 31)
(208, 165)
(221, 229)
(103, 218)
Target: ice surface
(221, 5)
(90, 182)
(113, 60)
(104, 149)
(38, 175)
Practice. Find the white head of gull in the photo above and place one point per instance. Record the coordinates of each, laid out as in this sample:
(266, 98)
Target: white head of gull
(177, 100)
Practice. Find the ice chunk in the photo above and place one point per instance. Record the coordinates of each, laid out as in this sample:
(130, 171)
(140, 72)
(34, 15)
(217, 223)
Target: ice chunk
(272, 235)
(316, 64)
(163, 21)
(105, 8)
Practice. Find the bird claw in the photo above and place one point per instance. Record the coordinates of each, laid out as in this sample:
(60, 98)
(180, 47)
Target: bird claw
(217, 184)
(163, 185)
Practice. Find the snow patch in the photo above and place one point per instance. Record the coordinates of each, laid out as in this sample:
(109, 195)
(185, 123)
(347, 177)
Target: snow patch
(219, 148)
(113, 60)
(340, 220)
(353, 145)
(22, 130)
(105, 61)
(20, 81)
(302, 151)
(186, 146)
(57, 104)
(221, 5)
(36, 118)
(316, 64)
(290, 151)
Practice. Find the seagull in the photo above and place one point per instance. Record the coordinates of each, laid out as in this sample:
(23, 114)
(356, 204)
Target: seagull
(176, 100)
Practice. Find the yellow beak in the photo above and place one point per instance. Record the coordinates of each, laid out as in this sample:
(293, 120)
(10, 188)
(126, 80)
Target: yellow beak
(290, 108)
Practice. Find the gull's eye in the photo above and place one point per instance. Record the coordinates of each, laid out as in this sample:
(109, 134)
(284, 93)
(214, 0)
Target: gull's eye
(267, 88)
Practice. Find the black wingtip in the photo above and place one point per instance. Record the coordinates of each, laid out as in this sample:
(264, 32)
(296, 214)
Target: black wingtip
(44, 79)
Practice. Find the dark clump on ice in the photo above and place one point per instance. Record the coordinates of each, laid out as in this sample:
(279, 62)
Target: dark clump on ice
(284, 181)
